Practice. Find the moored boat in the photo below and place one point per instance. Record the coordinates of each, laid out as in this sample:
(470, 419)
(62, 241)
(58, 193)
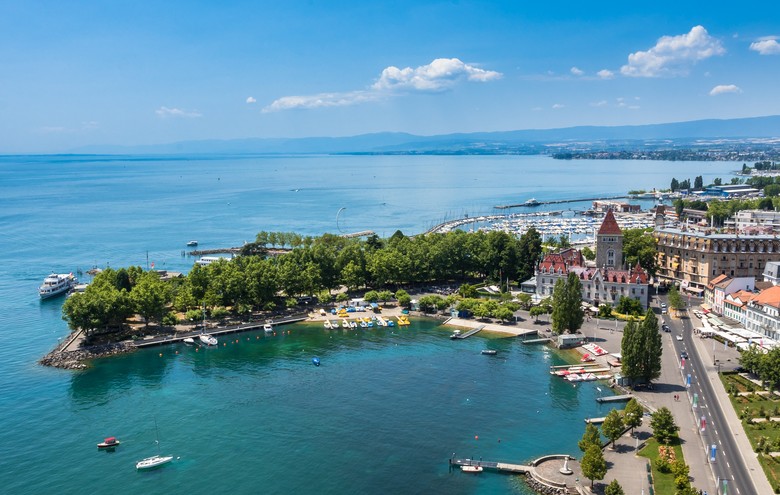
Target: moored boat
(315, 361)
(489, 352)
(472, 469)
(108, 443)
(207, 339)
(192, 243)
(268, 328)
(153, 462)
(188, 340)
(56, 284)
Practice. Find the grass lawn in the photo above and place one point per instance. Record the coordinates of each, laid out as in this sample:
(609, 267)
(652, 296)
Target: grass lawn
(764, 436)
(663, 483)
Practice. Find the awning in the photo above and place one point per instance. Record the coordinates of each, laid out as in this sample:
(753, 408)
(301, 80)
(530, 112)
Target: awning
(694, 290)
(705, 307)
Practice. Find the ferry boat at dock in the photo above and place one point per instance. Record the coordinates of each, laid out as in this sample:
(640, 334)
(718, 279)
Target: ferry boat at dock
(56, 284)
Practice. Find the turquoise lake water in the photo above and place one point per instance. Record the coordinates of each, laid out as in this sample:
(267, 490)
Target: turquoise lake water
(386, 408)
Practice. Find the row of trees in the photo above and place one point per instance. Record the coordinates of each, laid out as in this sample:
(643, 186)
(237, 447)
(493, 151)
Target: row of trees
(765, 366)
(313, 266)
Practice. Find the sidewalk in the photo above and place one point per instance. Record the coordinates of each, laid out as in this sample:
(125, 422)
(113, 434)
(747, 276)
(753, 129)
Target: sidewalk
(704, 348)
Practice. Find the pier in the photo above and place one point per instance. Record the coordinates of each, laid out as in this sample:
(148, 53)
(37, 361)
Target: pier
(469, 333)
(215, 332)
(538, 341)
(362, 233)
(557, 202)
(615, 398)
(496, 466)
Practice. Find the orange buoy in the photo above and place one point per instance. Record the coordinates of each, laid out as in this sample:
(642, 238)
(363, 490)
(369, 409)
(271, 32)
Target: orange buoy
(161, 354)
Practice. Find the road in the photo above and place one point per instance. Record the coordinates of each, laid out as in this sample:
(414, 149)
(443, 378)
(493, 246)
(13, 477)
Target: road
(729, 468)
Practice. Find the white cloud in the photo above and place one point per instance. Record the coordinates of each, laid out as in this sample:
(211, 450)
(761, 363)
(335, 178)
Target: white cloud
(165, 112)
(672, 55)
(576, 71)
(440, 75)
(605, 74)
(251, 99)
(557, 106)
(724, 88)
(768, 46)
(601, 103)
(322, 100)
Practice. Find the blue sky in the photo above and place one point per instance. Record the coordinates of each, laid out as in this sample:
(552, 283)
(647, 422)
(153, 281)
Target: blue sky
(140, 72)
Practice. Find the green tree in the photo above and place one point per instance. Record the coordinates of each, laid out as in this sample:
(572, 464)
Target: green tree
(640, 247)
(567, 311)
(698, 183)
(593, 464)
(403, 297)
(769, 369)
(592, 436)
(503, 313)
(641, 349)
(614, 488)
(717, 181)
(385, 295)
(537, 311)
(663, 425)
(676, 301)
(629, 306)
(371, 296)
(530, 251)
(632, 414)
(750, 359)
(772, 190)
(150, 297)
(588, 253)
(613, 426)
(675, 184)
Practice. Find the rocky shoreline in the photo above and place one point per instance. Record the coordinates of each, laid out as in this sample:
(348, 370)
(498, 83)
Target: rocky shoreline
(74, 360)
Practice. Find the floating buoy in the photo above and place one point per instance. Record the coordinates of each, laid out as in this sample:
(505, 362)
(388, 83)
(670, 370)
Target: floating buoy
(177, 352)
(161, 354)
(196, 350)
(476, 437)
(224, 344)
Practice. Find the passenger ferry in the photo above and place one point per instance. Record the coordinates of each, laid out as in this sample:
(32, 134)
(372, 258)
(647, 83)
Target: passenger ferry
(55, 284)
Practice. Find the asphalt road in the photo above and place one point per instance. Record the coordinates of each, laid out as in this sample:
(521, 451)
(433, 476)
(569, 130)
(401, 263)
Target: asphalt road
(729, 467)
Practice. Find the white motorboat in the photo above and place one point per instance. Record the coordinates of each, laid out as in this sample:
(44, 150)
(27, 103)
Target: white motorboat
(189, 340)
(153, 462)
(207, 339)
(55, 284)
(192, 243)
(268, 328)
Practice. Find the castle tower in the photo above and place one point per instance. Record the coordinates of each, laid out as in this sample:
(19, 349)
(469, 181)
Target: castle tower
(609, 243)
(660, 211)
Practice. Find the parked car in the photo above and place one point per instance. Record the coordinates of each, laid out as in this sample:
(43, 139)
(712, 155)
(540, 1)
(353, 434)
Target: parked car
(665, 328)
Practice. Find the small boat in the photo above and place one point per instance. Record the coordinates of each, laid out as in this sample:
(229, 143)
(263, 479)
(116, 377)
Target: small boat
(315, 361)
(189, 340)
(489, 352)
(56, 284)
(268, 328)
(108, 443)
(207, 339)
(455, 334)
(327, 325)
(532, 202)
(192, 243)
(153, 462)
(472, 469)
(363, 324)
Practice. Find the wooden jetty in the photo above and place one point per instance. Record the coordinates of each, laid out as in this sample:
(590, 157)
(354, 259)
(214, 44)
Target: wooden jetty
(537, 341)
(615, 398)
(469, 333)
(497, 466)
(216, 332)
(557, 202)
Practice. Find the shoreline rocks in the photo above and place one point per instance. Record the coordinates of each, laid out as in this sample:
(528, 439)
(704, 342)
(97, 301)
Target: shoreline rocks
(74, 360)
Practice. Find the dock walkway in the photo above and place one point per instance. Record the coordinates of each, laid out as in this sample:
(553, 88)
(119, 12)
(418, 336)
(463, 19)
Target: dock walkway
(216, 332)
(469, 333)
(498, 466)
(615, 398)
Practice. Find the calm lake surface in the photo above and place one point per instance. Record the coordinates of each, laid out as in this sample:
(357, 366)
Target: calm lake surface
(386, 408)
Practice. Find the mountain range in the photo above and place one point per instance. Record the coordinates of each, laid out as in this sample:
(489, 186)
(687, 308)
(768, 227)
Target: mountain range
(764, 130)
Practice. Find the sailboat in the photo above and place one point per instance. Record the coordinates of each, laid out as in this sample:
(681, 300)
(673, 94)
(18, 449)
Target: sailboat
(205, 338)
(155, 460)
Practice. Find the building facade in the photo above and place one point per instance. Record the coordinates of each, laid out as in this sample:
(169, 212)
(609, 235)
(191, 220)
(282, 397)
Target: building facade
(762, 313)
(694, 258)
(605, 283)
(722, 285)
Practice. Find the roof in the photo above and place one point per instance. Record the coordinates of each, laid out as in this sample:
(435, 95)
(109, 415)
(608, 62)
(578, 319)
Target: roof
(768, 297)
(715, 281)
(610, 226)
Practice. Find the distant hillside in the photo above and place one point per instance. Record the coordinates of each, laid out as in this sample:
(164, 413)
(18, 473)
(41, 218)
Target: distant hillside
(521, 141)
